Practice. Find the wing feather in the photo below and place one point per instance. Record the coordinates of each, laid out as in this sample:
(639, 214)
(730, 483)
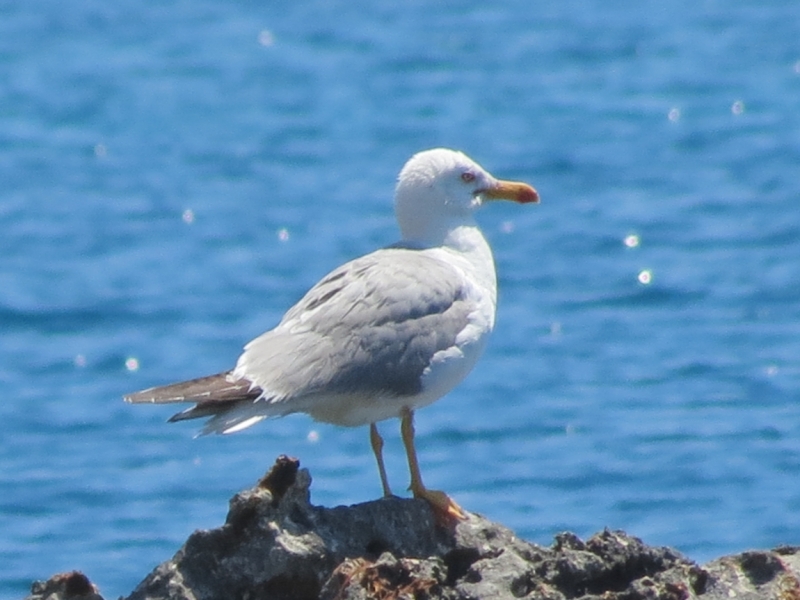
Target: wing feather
(370, 327)
(219, 388)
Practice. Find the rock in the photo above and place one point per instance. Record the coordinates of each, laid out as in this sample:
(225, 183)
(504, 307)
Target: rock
(276, 545)
(756, 575)
(65, 586)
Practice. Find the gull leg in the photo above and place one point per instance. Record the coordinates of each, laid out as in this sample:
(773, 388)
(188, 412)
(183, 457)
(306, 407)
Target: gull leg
(444, 507)
(377, 448)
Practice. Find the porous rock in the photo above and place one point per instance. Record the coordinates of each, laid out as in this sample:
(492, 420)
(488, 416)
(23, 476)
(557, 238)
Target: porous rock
(276, 545)
(65, 586)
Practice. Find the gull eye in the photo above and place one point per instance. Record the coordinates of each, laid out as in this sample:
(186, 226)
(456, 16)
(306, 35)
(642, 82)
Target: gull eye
(467, 177)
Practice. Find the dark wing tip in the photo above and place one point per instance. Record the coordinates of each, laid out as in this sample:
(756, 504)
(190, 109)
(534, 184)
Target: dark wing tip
(139, 397)
(157, 395)
(214, 388)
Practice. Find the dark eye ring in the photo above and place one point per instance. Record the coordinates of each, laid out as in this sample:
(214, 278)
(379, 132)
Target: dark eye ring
(467, 177)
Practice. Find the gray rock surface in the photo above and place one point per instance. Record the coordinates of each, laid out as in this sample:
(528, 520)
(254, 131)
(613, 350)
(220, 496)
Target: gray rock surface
(276, 545)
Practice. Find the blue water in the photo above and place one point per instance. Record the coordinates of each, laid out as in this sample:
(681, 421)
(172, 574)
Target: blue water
(173, 175)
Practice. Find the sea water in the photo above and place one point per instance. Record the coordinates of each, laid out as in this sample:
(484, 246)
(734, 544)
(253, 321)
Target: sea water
(174, 175)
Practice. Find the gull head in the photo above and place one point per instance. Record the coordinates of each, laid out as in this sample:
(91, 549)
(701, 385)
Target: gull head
(440, 189)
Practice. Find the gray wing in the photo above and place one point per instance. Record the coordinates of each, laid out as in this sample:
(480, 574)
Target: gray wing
(370, 327)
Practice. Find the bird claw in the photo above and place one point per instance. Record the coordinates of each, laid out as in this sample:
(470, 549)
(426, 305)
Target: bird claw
(444, 507)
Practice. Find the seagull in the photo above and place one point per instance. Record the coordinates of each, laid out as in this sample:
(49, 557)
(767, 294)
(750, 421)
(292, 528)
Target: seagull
(382, 335)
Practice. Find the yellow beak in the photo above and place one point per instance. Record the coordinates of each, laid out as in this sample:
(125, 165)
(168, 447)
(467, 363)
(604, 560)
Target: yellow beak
(511, 190)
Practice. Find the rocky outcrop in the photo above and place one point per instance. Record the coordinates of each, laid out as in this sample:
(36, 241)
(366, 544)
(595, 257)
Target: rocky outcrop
(276, 545)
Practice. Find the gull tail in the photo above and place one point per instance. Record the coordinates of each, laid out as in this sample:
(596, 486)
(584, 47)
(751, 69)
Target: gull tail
(226, 400)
